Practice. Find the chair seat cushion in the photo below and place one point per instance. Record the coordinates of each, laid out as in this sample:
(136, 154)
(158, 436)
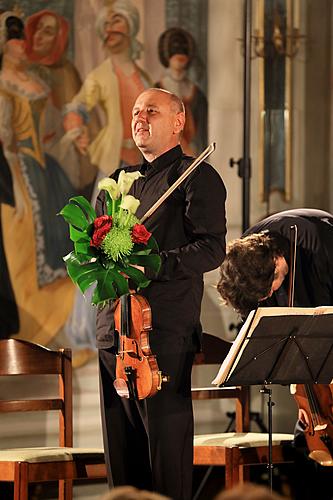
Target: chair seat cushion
(241, 439)
(48, 454)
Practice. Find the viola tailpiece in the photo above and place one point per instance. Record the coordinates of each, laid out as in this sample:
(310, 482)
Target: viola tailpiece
(137, 372)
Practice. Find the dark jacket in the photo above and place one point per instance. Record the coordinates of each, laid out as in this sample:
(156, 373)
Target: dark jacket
(314, 262)
(190, 229)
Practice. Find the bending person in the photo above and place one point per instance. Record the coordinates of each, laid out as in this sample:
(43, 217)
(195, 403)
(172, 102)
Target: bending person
(255, 273)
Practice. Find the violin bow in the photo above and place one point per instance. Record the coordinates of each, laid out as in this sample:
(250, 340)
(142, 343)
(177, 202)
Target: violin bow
(209, 150)
(293, 251)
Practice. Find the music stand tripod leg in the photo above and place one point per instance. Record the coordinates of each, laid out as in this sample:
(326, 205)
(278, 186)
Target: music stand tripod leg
(270, 404)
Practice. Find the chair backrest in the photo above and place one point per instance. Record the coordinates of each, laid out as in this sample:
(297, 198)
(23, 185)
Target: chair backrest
(214, 350)
(19, 357)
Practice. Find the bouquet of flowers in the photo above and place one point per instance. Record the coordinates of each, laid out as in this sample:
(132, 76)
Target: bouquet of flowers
(107, 248)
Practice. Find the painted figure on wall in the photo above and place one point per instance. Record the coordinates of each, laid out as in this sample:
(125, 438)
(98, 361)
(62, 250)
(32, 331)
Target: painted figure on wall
(34, 238)
(46, 44)
(113, 86)
(176, 48)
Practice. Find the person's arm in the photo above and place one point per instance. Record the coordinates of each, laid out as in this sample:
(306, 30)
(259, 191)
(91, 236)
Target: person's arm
(205, 222)
(76, 113)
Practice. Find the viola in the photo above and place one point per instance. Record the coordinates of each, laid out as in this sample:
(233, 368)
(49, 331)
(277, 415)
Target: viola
(316, 403)
(137, 372)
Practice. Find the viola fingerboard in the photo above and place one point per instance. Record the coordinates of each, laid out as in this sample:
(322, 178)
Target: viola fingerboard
(124, 301)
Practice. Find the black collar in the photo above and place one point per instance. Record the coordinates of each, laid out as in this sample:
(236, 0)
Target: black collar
(162, 161)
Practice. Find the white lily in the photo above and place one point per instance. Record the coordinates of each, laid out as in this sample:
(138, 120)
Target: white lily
(111, 186)
(130, 203)
(126, 179)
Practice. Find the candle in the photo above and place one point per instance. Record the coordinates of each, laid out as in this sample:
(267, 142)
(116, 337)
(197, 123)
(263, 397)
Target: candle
(296, 13)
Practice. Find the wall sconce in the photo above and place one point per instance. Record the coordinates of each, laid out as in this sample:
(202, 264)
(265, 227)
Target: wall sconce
(276, 42)
(281, 35)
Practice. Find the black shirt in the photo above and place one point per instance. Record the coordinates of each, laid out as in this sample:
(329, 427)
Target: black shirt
(190, 229)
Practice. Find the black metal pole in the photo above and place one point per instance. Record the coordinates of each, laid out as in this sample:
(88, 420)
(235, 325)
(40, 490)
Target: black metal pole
(244, 163)
(247, 113)
(270, 405)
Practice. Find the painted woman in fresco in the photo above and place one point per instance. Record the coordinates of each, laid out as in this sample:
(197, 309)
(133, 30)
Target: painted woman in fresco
(34, 238)
(46, 46)
(176, 49)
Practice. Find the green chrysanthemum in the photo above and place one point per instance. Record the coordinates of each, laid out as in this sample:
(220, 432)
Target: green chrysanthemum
(124, 220)
(117, 243)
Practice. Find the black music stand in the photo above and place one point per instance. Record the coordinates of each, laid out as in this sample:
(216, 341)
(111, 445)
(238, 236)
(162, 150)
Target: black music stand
(281, 345)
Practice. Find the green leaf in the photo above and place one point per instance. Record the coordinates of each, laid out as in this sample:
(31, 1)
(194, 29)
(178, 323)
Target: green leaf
(152, 244)
(151, 261)
(109, 283)
(108, 203)
(83, 274)
(110, 294)
(81, 258)
(78, 235)
(140, 250)
(71, 258)
(120, 282)
(83, 247)
(137, 276)
(84, 204)
(84, 258)
(75, 216)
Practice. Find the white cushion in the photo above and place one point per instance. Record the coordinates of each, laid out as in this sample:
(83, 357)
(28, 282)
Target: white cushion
(240, 439)
(46, 454)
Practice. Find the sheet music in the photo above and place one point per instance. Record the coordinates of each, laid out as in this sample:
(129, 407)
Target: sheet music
(234, 350)
(243, 337)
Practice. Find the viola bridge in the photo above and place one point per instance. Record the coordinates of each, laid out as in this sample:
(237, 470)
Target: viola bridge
(130, 353)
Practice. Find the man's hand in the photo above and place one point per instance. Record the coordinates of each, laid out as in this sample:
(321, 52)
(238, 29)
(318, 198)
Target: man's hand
(82, 141)
(77, 131)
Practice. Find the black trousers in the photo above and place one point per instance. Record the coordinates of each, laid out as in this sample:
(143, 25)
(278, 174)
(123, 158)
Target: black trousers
(149, 443)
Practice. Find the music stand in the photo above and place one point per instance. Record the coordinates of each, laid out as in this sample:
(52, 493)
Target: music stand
(281, 345)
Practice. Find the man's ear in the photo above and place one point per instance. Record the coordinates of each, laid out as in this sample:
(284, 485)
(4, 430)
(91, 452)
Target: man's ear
(179, 122)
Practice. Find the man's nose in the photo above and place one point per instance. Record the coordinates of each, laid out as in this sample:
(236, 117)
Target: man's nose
(142, 114)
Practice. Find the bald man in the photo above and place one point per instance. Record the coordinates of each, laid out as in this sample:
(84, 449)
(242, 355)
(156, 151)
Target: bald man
(149, 443)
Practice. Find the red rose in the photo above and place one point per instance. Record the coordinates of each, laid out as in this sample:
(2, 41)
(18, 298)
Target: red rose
(140, 234)
(102, 226)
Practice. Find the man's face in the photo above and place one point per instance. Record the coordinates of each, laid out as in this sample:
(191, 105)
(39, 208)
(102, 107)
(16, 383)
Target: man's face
(281, 271)
(179, 61)
(116, 31)
(45, 35)
(15, 48)
(156, 123)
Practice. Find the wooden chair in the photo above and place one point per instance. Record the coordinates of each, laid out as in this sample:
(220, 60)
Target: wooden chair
(234, 450)
(62, 463)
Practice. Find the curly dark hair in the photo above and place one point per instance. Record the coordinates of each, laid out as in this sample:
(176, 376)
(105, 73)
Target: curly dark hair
(247, 273)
